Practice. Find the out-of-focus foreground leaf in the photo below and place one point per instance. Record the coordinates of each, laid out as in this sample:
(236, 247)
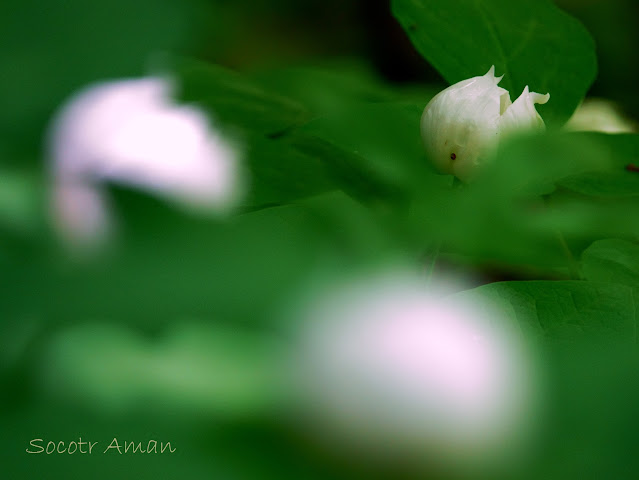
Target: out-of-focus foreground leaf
(517, 213)
(51, 49)
(584, 334)
(618, 180)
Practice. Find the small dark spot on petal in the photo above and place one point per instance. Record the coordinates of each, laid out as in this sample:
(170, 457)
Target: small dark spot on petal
(453, 156)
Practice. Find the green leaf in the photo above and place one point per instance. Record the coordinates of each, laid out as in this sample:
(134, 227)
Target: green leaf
(327, 89)
(564, 311)
(280, 173)
(350, 171)
(612, 260)
(192, 368)
(616, 180)
(536, 163)
(376, 149)
(618, 183)
(236, 101)
(72, 43)
(259, 121)
(167, 265)
(502, 218)
(532, 42)
(20, 201)
(386, 134)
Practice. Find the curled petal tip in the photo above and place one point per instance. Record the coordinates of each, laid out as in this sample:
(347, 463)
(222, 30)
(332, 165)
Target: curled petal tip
(535, 97)
(539, 98)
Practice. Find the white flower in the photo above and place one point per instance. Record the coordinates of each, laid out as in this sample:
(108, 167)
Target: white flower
(600, 115)
(387, 361)
(462, 123)
(131, 132)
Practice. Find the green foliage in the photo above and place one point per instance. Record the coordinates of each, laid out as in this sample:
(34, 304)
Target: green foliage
(612, 260)
(190, 311)
(565, 311)
(532, 42)
(620, 151)
(53, 49)
(236, 100)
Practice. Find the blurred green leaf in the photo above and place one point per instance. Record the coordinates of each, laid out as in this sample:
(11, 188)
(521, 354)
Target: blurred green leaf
(260, 121)
(564, 311)
(503, 217)
(51, 49)
(350, 171)
(386, 135)
(331, 88)
(324, 89)
(280, 173)
(20, 201)
(374, 150)
(612, 260)
(167, 265)
(618, 183)
(192, 369)
(532, 42)
(235, 100)
(620, 151)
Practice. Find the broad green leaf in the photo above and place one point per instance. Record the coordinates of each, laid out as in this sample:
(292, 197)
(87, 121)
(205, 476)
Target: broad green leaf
(329, 88)
(166, 265)
(617, 183)
(350, 171)
(381, 149)
(236, 101)
(502, 218)
(536, 223)
(618, 179)
(564, 310)
(531, 42)
(536, 163)
(612, 260)
(386, 134)
(53, 49)
(279, 173)
(584, 337)
(258, 121)
(326, 89)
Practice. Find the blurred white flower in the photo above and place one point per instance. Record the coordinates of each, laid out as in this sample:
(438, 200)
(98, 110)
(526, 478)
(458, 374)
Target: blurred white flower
(132, 133)
(462, 123)
(600, 115)
(389, 363)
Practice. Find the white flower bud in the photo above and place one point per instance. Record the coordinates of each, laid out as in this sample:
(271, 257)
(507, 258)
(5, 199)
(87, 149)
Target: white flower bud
(462, 123)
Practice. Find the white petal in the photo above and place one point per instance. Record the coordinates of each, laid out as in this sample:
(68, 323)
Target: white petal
(131, 132)
(460, 120)
(522, 113)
